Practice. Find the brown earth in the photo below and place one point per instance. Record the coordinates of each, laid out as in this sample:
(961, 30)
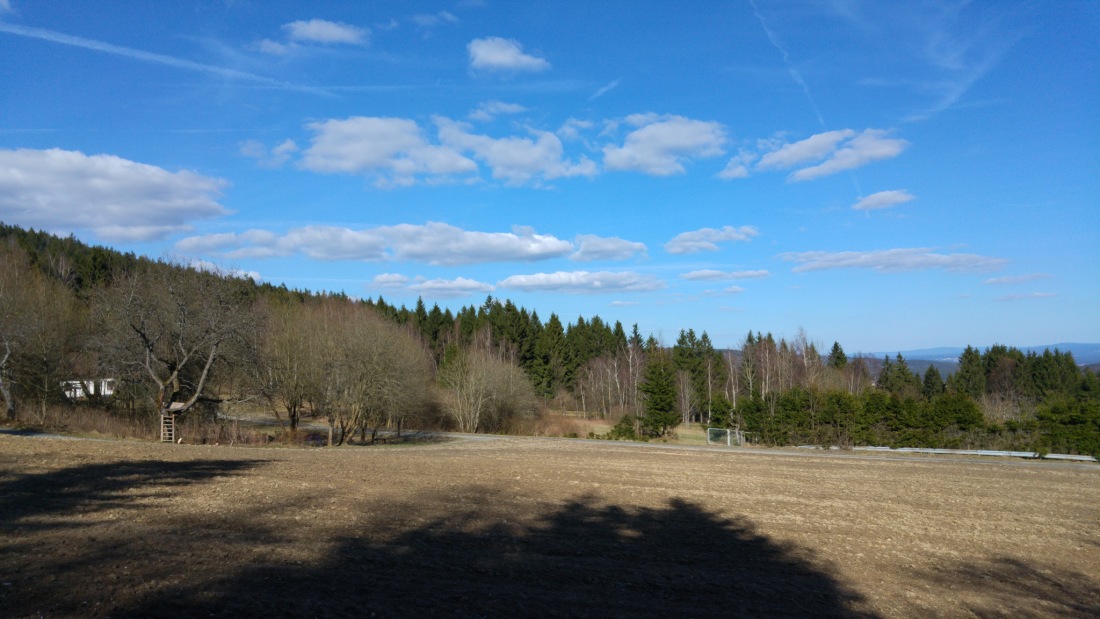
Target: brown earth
(537, 527)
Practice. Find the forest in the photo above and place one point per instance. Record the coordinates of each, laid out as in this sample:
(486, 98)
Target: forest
(170, 336)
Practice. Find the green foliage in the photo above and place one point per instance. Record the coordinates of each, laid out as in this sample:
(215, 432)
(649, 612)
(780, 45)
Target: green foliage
(659, 388)
(837, 358)
(624, 430)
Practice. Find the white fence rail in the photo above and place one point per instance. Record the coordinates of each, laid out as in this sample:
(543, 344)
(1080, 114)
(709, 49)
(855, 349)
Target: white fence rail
(967, 452)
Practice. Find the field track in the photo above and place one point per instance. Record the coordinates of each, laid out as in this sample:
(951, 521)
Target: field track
(536, 527)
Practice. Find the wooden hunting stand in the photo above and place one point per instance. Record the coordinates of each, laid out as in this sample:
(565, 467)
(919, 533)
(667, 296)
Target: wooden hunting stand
(167, 428)
(168, 422)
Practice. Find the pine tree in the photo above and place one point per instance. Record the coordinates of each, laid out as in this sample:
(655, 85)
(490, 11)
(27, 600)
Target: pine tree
(837, 358)
(659, 389)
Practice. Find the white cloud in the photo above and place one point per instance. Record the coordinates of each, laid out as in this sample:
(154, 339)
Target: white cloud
(324, 31)
(892, 260)
(210, 267)
(734, 290)
(499, 54)
(661, 144)
(390, 280)
(1016, 279)
(831, 151)
(813, 148)
(869, 146)
(756, 274)
(1022, 297)
(593, 247)
(275, 48)
(433, 243)
(117, 199)
(883, 199)
(488, 110)
(624, 303)
(516, 160)
(734, 169)
(273, 158)
(571, 129)
(450, 288)
(712, 275)
(393, 149)
(433, 20)
(612, 85)
(583, 282)
(707, 239)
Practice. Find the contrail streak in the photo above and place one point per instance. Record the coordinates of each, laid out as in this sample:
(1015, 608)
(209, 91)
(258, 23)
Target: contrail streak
(795, 75)
(144, 56)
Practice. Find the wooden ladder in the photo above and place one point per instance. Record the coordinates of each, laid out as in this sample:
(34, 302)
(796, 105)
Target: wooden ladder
(168, 428)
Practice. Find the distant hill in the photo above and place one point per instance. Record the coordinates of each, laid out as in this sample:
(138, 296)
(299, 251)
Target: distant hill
(1084, 354)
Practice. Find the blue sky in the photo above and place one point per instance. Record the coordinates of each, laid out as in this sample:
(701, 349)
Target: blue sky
(888, 175)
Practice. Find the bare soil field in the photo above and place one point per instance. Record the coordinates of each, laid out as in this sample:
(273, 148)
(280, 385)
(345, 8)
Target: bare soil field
(507, 527)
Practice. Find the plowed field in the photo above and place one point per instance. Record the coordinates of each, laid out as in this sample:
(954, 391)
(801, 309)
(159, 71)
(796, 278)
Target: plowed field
(537, 527)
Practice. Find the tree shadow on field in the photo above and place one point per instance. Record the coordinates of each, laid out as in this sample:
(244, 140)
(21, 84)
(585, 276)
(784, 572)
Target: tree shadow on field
(29, 500)
(1009, 587)
(585, 558)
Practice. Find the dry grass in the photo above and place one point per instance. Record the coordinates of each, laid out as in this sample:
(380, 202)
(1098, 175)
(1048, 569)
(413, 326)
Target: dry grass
(522, 526)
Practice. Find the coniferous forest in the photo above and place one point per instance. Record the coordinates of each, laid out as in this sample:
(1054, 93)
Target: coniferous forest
(170, 336)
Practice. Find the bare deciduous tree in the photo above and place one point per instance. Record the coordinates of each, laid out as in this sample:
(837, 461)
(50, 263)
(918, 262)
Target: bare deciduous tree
(169, 326)
(480, 391)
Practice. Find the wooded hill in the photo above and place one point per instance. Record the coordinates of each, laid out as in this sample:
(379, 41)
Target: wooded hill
(178, 338)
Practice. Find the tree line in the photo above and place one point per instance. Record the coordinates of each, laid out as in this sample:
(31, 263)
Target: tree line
(182, 340)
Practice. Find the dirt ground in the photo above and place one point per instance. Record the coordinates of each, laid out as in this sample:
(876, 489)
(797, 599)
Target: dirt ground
(506, 527)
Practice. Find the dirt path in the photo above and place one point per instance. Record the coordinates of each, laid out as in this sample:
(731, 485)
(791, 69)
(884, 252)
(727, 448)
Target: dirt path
(520, 527)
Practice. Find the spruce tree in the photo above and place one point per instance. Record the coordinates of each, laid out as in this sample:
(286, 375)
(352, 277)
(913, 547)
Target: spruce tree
(659, 389)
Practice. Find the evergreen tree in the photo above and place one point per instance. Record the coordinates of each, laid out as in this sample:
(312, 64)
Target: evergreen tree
(659, 389)
(970, 377)
(933, 383)
(837, 358)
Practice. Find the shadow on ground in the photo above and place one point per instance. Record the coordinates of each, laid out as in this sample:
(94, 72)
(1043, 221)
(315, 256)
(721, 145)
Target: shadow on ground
(584, 559)
(30, 501)
(1009, 587)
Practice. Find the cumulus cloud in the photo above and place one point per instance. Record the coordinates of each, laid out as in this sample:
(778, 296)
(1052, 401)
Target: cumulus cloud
(500, 54)
(883, 199)
(433, 243)
(450, 288)
(327, 32)
(593, 247)
(869, 146)
(1016, 279)
(115, 198)
(390, 280)
(275, 157)
(707, 239)
(892, 260)
(571, 129)
(583, 282)
(813, 148)
(515, 160)
(210, 267)
(829, 152)
(662, 144)
(488, 110)
(713, 275)
(394, 150)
